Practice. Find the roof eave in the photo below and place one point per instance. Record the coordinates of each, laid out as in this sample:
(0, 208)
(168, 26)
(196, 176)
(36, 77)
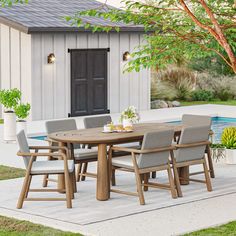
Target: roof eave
(13, 24)
(78, 29)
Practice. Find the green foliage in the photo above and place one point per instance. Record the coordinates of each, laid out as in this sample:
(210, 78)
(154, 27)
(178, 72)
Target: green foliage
(228, 138)
(172, 83)
(10, 98)
(202, 95)
(173, 34)
(9, 3)
(22, 111)
(224, 94)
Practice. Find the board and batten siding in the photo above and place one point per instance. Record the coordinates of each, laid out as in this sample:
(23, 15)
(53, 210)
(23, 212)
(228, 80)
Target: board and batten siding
(51, 82)
(15, 61)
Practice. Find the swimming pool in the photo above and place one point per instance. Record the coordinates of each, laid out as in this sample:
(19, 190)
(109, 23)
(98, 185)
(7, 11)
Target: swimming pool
(218, 124)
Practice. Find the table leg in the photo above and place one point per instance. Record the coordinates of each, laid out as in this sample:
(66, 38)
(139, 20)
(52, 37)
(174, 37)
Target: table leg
(184, 175)
(61, 177)
(102, 174)
(210, 163)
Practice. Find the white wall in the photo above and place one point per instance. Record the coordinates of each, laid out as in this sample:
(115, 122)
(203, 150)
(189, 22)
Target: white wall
(51, 82)
(15, 61)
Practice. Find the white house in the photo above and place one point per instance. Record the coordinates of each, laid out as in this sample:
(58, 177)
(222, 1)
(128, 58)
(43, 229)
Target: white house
(87, 75)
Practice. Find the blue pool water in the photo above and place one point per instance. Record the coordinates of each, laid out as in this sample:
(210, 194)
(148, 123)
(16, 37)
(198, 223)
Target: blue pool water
(218, 124)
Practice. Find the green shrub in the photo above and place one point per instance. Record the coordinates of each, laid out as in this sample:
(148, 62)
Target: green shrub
(224, 94)
(10, 98)
(22, 111)
(202, 95)
(228, 138)
(172, 83)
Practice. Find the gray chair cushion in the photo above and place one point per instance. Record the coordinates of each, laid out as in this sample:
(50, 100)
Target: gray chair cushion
(95, 122)
(23, 146)
(85, 154)
(123, 161)
(196, 120)
(51, 167)
(191, 135)
(61, 125)
(155, 140)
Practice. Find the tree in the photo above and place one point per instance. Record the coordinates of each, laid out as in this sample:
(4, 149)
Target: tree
(175, 29)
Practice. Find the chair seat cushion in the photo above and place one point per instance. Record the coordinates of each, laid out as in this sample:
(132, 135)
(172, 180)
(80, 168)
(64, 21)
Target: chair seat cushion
(123, 161)
(85, 154)
(51, 167)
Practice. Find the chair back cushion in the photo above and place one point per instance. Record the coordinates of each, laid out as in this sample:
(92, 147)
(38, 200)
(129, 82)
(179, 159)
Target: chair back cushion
(196, 120)
(23, 146)
(61, 125)
(191, 135)
(95, 122)
(155, 140)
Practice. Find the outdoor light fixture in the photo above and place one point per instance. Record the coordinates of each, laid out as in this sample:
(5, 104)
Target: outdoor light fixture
(51, 58)
(126, 56)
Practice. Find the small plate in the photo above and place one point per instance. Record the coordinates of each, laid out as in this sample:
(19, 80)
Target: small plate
(107, 132)
(124, 131)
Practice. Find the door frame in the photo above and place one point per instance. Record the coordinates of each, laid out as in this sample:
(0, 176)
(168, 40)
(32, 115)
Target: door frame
(88, 49)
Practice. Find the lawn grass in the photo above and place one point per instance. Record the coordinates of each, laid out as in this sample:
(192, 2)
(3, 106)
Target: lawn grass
(13, 227)
(10, 172)
(218, 102)
(1, 121)
(223, 230)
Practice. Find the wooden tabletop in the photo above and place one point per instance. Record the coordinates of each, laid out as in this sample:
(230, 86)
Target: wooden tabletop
(95, 135)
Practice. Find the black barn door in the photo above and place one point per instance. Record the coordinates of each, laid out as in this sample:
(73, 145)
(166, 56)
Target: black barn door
(88, 81)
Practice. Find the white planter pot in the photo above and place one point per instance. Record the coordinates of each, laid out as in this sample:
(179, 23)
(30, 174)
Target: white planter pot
(231, 156)
(127, 123)
(9, 133)
(218, 155)
(21, 125)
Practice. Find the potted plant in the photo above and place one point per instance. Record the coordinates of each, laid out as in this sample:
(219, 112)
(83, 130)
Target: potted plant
(228, 140)
(218, 153)
(9, 99)
(22, 112)
(129, 116)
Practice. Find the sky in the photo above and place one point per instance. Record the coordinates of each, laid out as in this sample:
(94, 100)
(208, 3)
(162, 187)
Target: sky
(115, 3)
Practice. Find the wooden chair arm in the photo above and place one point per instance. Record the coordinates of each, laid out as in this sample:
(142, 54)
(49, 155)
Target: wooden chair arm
(46, 154)
(189, 145)
(48, 148)
(137, 151)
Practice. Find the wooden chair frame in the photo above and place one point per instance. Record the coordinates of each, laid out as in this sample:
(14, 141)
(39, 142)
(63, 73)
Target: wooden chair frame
(202, 161)
(28, 177)
(142, 174)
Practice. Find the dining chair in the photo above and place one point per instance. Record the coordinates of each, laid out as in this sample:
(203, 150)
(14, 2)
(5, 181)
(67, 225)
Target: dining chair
(191, 151)
(153, 156)
(34, 167)
(80, 155)
(200, 120)
(100, 121)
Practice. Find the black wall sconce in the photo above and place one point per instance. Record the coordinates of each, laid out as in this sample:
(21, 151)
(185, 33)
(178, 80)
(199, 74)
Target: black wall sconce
(51, 58)
(126, 56)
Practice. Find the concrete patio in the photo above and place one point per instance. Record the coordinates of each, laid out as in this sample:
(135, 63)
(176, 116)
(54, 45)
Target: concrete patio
(123, 215)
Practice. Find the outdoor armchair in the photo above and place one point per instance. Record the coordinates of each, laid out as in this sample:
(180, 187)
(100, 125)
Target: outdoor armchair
(153, 156)
(81, 155)
(191, 151)
(35, 167)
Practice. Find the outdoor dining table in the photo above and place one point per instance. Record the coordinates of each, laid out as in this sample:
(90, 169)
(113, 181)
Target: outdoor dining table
(95, 136)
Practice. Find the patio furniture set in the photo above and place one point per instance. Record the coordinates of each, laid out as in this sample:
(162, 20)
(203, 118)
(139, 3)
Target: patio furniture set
(150, 148)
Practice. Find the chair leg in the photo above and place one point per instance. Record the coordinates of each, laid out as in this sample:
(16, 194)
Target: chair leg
(28, 186)
(177, 182)
(85, 166)
(210, 163)
(45, 181)
(146, 177)
(78, 172)
(68, 190)
(72, 185)
(113, 177)
(172, 184)
(208, 180)
(23, 191)
(139, 188)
